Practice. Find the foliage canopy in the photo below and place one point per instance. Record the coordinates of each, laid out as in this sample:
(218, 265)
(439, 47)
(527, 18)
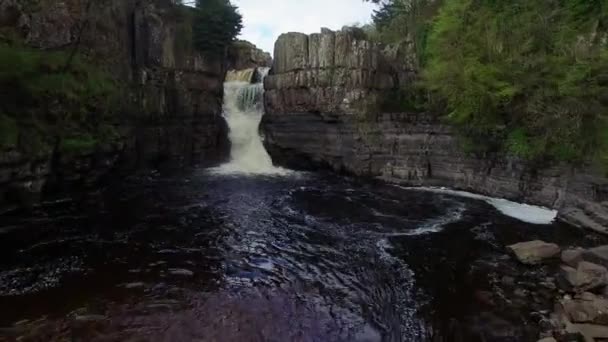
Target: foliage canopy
(215, 26)
(529, 77)
(48, 101)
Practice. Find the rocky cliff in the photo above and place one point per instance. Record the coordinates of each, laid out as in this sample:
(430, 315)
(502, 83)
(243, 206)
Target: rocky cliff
(170, 95)
(322, 109)
(245, 55)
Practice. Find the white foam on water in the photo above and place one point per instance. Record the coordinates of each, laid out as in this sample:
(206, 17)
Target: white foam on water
(523, 212)
(243, 110)
(433, 225)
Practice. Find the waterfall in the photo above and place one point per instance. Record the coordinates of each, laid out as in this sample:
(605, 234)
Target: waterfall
(241, 75)
(243, 110)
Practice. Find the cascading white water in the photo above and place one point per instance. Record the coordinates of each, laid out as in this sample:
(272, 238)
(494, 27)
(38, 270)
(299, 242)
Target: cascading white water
(243, 110)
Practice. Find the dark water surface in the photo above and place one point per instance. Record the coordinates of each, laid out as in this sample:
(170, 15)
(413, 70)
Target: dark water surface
(307, 257)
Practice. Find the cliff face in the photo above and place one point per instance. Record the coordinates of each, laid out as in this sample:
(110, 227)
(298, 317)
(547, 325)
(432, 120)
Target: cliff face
(179, 91)
(171, 99)
(331, 73)
(321, 84)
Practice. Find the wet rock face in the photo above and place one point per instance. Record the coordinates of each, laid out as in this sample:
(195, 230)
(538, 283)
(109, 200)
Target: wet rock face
(180, 91)
(323, 99)
(175, 94)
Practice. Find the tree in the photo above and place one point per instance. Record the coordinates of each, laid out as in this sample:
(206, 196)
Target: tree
(215, 26)
(526, 77)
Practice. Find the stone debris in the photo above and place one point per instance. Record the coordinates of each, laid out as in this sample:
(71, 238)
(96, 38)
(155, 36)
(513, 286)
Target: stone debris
(581, 313)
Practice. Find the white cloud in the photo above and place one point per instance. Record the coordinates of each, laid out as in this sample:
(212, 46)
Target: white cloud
(265, 20)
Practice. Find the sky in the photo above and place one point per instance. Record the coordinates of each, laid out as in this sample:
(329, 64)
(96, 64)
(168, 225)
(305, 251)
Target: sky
(265, 20)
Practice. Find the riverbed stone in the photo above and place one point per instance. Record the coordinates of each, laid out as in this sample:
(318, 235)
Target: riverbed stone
(587, 276)
(591, 276)
(548, 339)
(598, 255)
(567, 277)
(590, 332)
(586, 308)
(534, 252)
(572, 257)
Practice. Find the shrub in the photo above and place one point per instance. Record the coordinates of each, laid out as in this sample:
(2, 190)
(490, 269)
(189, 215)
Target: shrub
(525, 77)
(522, 76)
(54, 99)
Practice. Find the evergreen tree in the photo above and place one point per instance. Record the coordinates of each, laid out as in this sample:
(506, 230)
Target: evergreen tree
(215, 26)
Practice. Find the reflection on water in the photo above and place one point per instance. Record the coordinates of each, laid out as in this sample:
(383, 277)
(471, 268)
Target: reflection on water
(306, 257)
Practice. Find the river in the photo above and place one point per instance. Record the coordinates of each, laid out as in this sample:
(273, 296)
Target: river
(251, 252)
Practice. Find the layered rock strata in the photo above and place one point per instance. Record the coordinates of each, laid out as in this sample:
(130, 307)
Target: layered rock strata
(322, 99)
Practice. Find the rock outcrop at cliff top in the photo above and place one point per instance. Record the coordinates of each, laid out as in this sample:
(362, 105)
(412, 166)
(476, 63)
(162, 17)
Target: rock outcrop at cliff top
(245, 55)
(331, 72)
(319, 84)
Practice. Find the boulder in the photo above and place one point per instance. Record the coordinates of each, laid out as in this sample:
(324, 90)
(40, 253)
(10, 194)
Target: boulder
(572, 257)
(587, 276)
(547, 339)
(598, 255)
(590, 332)
(534, 252)
(567, 277)
(591, 275)
(586, 308)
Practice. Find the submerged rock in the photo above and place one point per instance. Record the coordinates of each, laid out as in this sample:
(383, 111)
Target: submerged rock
(181, 272)
(136, 285)
(90, 318)
(534, 252)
